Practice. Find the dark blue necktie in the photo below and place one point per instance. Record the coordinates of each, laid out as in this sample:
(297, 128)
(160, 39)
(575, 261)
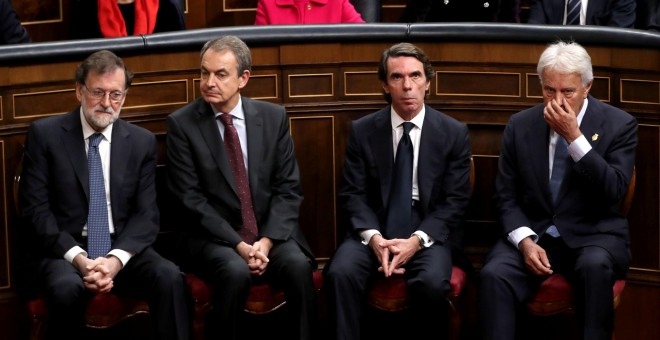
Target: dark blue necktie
(559, 166)
(98, 231)
(399, 207)
(573, 9)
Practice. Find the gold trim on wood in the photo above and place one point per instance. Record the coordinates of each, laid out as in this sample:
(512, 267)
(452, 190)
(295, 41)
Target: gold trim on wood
(26, 23)
(437, 87)
(621, 81)
(359, 94)
(277, 87)
(2, 114)
(186, 81)
(15, 95)
(332, 82)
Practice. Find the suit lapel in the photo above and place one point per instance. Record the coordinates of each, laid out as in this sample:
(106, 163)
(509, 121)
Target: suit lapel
(424, 161)
(74, 145)
(380, 143)
(120, 152)
(538, 137)
(255, 140)
(208, 129)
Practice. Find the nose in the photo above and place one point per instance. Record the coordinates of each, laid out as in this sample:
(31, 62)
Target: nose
(210, 80)
(407, 83)
(105, 100)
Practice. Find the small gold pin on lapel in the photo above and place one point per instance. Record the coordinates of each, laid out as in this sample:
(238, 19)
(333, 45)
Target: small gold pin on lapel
(309, 7)
(594, 137)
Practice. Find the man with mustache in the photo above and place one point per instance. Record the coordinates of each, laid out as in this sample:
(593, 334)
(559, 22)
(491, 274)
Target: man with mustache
(88, 201)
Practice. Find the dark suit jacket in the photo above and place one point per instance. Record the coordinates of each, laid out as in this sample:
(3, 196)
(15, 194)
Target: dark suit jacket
(617, 13)
(461, 11)
(200, 174)
(443, 172)
(11, 31)
(588, 212)
(54, 185)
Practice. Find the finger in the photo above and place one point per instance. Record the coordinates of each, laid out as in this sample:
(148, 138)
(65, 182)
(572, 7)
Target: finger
(261, 256)
(399, 271)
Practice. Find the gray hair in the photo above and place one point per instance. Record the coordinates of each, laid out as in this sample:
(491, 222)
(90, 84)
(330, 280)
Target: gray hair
(567, 58)
(235, 45)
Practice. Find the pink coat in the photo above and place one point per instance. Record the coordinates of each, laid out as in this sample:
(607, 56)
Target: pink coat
(282, 12)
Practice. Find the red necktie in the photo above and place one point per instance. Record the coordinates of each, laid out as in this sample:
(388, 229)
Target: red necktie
(233, 146)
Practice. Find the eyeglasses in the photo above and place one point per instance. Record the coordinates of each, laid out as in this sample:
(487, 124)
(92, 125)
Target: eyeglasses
(98, 94)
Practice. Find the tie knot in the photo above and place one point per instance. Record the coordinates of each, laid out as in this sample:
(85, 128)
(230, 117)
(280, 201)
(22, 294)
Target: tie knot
(95, 139)
(407, 126)
(226, 119)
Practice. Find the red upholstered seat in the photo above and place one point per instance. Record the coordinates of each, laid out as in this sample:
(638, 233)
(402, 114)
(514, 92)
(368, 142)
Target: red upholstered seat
(103, 311)
(262, 299)
(555, 295)
(391, 294)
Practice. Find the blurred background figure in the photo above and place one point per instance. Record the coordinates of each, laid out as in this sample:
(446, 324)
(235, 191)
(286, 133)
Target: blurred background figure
(11, 31)
(616, 13)
(118, 18)
(283, 12)
(648, 15)
(654, 21)
(461, 11)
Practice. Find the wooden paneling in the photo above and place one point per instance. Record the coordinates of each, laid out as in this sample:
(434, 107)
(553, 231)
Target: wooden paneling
(480, 83)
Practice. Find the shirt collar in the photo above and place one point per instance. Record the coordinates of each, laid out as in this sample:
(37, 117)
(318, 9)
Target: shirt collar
(418, 120)
(237, 111)
(583, 110)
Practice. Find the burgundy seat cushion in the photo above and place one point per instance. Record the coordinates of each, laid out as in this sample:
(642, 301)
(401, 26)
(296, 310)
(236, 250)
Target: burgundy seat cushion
(263, 298)
(103, 310)
(392, 294)
(555, 295)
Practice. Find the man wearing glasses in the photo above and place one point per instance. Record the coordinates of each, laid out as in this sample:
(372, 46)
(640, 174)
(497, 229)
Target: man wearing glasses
(88, 201)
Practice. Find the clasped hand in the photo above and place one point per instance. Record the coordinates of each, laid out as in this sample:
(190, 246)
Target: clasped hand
(393, 254)
(98, 274)
(256, 255)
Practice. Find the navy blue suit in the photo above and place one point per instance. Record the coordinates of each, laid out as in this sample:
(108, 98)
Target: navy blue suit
(587, 215)
(54, 205)
(616, 13)
(443, 172)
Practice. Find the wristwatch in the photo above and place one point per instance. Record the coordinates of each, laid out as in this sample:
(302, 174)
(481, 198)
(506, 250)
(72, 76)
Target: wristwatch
(421, 240)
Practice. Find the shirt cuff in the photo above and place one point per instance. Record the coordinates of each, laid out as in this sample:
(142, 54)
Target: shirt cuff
(73, 252)
(122, 255)
(428, 240)
(579, 148)
(366, 235)
(520, 234)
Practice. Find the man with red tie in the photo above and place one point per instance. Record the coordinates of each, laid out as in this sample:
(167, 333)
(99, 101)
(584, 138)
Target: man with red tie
(232, 165)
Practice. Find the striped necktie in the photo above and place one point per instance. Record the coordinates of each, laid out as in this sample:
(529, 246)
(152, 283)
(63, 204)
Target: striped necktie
(573, 9)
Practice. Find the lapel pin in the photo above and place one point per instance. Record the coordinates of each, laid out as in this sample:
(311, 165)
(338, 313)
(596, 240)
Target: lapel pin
(594, 137)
